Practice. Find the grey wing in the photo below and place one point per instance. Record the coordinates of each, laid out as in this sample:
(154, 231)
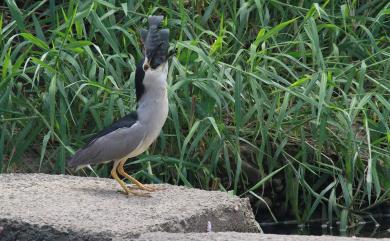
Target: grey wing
(112, 146)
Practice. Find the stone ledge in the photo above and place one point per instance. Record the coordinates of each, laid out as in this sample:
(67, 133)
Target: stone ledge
(47, 207)
(233, 236)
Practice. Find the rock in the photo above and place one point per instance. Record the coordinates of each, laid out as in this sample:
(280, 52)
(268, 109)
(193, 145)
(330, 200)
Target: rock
(61, 207)
(233, 236)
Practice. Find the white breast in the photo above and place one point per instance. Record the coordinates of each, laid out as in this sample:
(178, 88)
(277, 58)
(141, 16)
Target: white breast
(153, 106)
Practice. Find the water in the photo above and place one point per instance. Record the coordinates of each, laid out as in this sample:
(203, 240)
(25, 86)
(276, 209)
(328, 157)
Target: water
(381, 229)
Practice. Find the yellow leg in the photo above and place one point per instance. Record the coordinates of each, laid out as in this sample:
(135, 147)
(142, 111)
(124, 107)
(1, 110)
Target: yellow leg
(132, 179)
(123, 185)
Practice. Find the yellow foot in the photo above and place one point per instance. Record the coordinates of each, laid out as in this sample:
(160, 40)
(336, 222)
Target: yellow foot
(133, 180)
(134, 193)
(145, 187)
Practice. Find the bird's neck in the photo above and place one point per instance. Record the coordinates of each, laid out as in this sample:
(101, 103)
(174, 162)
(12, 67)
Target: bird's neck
(153, 104)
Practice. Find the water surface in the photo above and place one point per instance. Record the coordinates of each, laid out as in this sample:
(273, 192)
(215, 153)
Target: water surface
(378, 229)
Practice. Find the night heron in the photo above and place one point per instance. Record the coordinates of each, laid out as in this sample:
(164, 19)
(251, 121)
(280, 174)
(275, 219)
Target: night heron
(134, 133)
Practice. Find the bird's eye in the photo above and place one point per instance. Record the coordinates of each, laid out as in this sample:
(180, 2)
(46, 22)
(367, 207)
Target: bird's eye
(146, 66)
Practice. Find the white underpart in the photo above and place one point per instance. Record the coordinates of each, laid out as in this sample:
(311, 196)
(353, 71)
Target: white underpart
(152, 107)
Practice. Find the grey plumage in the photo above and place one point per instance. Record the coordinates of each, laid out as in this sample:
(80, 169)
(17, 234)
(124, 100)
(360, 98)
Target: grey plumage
(133, 134)
(112, 146)
(132, 140)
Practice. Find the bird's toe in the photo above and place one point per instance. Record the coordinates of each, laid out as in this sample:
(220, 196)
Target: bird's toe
(146, 187)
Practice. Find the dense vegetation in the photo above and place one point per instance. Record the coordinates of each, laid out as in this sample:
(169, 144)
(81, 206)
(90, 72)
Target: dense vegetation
(286, 102)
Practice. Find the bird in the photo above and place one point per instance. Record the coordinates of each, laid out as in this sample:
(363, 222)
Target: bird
(132, 134)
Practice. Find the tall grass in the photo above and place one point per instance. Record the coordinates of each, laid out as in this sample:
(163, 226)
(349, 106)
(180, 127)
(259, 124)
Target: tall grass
(282, 101)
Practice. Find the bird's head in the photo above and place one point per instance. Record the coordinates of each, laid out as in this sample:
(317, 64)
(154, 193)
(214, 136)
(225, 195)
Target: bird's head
(156, 43)
(151, 73)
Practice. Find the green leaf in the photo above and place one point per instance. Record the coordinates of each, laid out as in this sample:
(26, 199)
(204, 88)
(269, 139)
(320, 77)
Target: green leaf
(36, 41)
(38, 28)
(301, 81)
(52, 98)
(369, 175)
(261, 37)
(43, 148)
(2, 149)
(321, 100)
(208, 11)
(263, 180)
(44, 64)
(103, 30)
(78, 44)
(16, 14)
(344, 220)
(6, 65)
(188, 138)
(214, 124)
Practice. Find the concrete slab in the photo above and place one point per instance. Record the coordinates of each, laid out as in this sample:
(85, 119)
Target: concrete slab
(48, 207)
(233, 236)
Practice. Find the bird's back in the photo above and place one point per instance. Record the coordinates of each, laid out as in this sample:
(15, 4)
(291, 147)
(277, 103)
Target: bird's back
(92, 152)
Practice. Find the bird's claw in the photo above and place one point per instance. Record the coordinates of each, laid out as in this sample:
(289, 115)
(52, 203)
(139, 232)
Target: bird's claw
(146, 188)
(135, 193)
(140, 194)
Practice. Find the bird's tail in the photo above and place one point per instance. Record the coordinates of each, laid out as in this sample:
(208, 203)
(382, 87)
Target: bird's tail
(74, 160)
(79, 159)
